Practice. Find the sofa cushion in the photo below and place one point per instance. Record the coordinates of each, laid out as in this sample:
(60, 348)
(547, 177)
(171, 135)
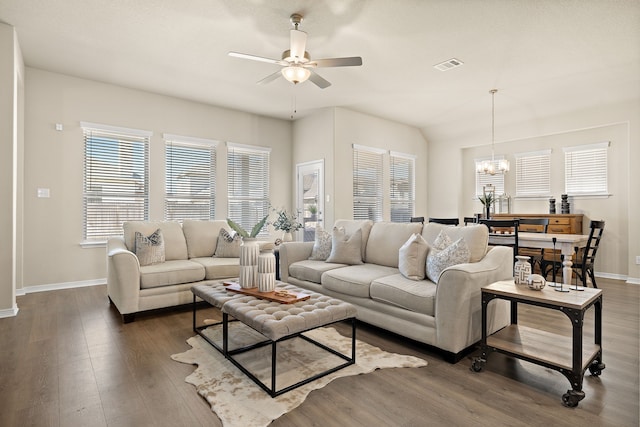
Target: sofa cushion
(355, 279)
(202, 236)
(219, 268)
(345, 248)
(351, 225)
(322, 245)
(412, 257)
(386, 239)
(311, 270)
(438, 260)
(175, 245)
(149, 249)
(418, 296)
(228, 244)
(173, 272)
(475, 236)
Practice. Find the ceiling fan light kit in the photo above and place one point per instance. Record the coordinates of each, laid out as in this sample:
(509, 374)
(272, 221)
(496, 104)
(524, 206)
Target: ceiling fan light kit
(297, 66)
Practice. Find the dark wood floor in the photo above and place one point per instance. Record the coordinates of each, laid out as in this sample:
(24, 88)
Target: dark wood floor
(67, 360)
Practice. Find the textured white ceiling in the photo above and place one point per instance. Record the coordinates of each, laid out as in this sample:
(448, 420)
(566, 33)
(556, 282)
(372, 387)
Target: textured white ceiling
(546, 57)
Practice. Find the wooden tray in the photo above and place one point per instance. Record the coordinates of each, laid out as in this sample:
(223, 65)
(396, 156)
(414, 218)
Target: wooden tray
(291, 298)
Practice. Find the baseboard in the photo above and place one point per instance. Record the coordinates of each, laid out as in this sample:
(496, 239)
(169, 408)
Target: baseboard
(622, 277)
(9, 312)
(58, 286)
(633, 280)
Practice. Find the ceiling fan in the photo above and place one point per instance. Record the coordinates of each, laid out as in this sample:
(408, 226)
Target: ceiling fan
(296, 62)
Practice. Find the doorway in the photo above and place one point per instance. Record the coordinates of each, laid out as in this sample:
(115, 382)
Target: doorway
(310, 198)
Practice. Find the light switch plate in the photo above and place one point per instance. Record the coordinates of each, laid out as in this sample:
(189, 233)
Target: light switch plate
(43, 192)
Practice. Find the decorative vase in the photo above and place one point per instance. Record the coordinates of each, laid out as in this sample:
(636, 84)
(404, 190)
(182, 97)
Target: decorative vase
(266, 271)
(249, 251)
(536, 282)
(287, 237)
(487, 215)
(521, 270)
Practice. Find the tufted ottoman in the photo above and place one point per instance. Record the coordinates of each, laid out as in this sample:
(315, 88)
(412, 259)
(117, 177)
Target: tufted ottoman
(279, 322)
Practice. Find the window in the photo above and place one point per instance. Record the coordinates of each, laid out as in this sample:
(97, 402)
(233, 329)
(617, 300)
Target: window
(533, 174)
(402, 188)
(116, 179)
(585, 169)
(367, 183)
(248, 184)
(483, 179)
(190, 178)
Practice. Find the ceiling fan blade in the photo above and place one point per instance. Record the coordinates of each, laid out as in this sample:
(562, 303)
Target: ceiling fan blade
(257, 58)
(318, 81)
(270, 78)
(336, 62)
(298, 44)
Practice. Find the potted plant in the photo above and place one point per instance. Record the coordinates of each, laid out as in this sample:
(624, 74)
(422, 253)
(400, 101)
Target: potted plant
(313, 210)
(287, 223)
(243, 233)
(486, 200)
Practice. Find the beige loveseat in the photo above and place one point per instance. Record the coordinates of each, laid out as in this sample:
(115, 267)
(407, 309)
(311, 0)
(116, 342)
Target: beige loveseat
(189, 258)
(446, 315)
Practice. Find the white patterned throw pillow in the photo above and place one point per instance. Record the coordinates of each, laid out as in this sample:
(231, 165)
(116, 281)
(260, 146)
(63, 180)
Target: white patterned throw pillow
(149, 249)
(412, 256)
(444, 255)
(322, 245)
(228, 245)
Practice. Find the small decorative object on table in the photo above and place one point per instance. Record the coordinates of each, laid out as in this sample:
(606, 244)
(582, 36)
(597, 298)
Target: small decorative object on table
(536, 282)
(565, 206)
(521, 270)
(552, 205)
(287, 223)
(486, 200)
(248, 253)
(266, 268)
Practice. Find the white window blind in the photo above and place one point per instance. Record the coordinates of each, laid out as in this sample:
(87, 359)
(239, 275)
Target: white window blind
(483, 179)
(190, 178)
(247, 184)
(402, 187)
(367, 183)
(116, 179)
(533, 174)
(585, 169)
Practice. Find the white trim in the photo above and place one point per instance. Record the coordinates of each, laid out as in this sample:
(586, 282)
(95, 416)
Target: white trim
(370, 149)
(247, 147)
(189, 139)
(596, 146)
(20, 292)
(9, 312)
(88, 244)
(403, 155)
(633, 280)
(533, 153)
(116, 129)
(64, 285)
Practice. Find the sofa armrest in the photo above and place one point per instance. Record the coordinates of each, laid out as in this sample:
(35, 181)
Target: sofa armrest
(291, 252)
(458, 305)
(123, 276)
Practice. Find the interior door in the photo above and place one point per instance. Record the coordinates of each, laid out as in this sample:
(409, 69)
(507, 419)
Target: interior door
(310, 198)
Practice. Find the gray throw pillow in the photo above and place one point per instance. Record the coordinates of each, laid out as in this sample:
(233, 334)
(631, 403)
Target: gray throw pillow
(345, 249)
(228, 245)
(412, 257)
(322, 245)
(149, 249)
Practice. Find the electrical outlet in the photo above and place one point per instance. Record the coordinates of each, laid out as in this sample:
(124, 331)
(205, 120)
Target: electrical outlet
(638, 260)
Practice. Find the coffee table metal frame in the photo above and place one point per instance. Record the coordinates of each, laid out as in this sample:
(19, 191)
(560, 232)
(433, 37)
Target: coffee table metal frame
(271, 390)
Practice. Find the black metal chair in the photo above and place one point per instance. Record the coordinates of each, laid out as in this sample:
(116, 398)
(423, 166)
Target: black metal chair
(470, 220)
(417, 219)
(503, 232)
(586, 257)
(446, 221)
(533, 225)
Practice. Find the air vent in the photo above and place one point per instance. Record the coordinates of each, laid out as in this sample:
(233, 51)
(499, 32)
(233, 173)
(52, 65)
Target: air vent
(448, 65)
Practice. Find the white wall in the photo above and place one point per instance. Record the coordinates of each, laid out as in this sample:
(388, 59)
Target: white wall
(54, 160)
(615, 123)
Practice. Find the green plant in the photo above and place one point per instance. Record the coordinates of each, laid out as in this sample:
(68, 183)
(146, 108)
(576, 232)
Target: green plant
(242, 232)
(486, 199)
(286, 221)
(313, 209)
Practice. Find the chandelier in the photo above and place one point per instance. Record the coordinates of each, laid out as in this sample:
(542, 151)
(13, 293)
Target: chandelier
(488, 167)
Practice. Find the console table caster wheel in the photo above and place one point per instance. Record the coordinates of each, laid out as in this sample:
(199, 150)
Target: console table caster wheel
(478, 364)
(572, 397)
(596, 368)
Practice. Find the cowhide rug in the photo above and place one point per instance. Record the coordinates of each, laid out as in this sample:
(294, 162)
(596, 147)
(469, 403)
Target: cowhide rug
(238, 401)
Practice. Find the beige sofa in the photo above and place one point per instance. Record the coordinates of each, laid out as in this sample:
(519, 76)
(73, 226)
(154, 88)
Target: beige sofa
(446, 315)
(189, 259)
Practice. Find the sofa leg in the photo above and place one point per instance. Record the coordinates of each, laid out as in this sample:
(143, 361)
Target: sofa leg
(128, 318)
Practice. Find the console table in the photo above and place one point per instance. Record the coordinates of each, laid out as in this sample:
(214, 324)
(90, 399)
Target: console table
(569, 356)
